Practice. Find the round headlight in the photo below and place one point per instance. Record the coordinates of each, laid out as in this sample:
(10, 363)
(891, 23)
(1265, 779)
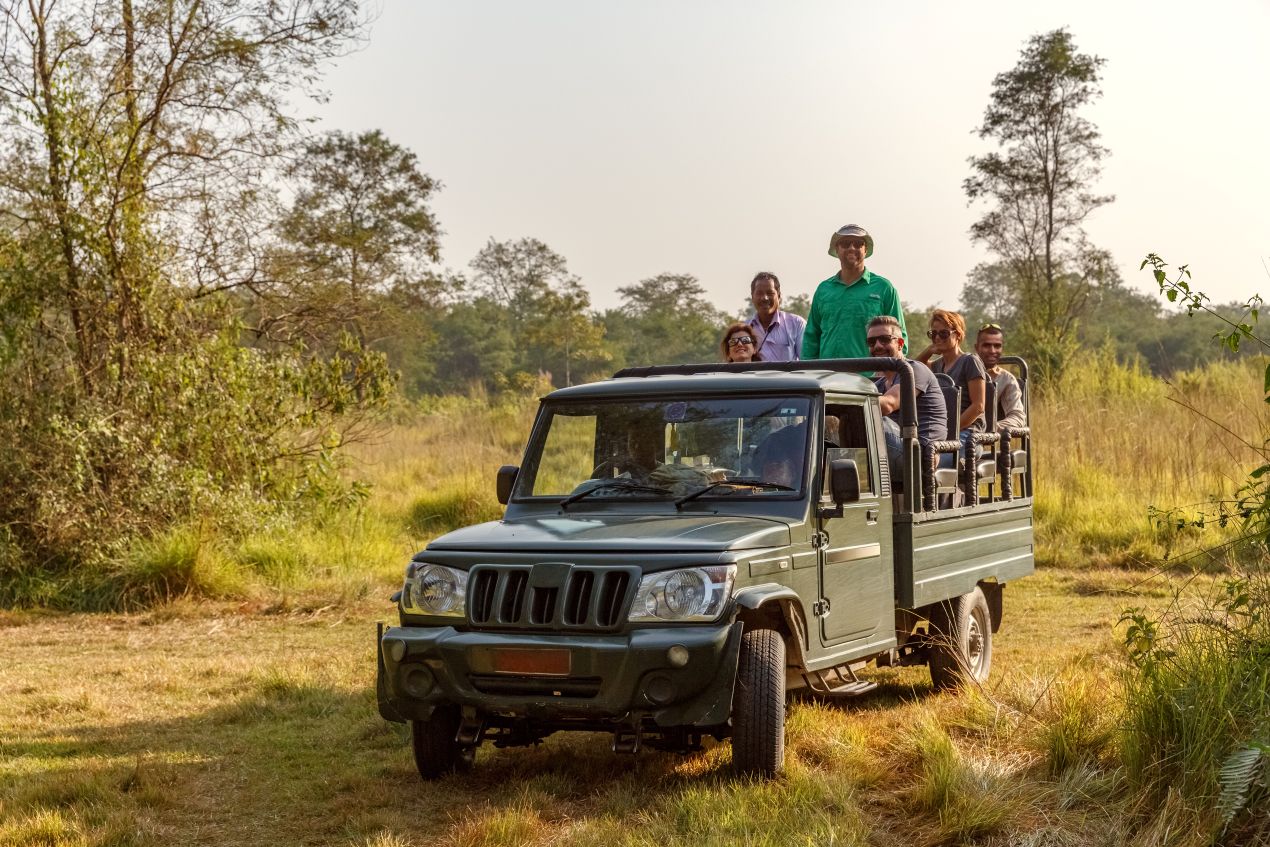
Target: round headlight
(435, 589)
(685, 593)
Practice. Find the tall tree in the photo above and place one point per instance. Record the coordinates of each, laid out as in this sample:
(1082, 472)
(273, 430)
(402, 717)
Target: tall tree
(136, 142)
(140, 122)
(1037, 187)
(359, 226)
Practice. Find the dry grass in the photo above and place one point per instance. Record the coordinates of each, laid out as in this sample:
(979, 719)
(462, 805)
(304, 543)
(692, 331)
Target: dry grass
(214, 726)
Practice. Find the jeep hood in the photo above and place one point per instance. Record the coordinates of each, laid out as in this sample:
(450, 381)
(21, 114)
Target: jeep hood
(619, 533)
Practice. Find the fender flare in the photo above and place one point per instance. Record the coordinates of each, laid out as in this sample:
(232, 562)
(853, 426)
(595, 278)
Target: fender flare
(754, 598)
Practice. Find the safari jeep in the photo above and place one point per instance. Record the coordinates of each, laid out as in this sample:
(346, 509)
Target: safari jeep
(685, 546)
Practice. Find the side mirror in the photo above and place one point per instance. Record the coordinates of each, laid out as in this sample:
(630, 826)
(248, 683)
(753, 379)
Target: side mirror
(844, 481)
(506, 479)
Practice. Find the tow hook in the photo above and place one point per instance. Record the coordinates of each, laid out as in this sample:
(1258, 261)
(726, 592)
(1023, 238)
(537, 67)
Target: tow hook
(627, 739)
(471, 729)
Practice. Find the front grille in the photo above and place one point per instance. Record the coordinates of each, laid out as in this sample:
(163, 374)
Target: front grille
(526, 686)
(550, 595)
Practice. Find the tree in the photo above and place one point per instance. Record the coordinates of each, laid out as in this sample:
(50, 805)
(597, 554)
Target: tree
(136, 142)
(516, 274)
(545, 304)
(359, 226)
(666, 319)
(990, 295)
(1037, 187)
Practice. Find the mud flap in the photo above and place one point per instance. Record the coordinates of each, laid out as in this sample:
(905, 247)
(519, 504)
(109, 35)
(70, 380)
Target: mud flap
(386, 710)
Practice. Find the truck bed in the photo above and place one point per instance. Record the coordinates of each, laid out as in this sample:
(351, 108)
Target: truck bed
(939, 555)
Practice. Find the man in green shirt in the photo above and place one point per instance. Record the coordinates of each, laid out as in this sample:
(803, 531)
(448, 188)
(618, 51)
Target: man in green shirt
(844, 304)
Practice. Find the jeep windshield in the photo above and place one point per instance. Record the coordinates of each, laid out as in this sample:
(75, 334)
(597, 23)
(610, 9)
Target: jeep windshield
(667, 449)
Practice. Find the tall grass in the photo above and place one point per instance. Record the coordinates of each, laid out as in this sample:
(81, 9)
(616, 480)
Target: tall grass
(1197, 703)
(1112, 441)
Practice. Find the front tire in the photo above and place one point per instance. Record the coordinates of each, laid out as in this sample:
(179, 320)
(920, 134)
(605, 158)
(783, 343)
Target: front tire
(961, 641)
(758, 707)
(437, 752)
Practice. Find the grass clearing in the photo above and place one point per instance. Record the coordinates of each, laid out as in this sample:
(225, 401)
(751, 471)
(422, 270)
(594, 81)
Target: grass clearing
(213, 726)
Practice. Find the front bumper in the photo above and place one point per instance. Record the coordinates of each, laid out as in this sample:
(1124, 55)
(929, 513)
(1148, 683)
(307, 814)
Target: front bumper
(611, 678)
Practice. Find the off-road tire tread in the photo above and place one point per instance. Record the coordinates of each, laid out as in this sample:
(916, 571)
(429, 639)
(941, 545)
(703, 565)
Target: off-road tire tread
(436, 751)
(758, 731)
(948, 621)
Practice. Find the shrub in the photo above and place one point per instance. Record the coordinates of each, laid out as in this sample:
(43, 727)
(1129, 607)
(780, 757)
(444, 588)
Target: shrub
(1197, 697)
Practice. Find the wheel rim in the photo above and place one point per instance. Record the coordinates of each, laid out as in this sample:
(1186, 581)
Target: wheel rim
(974, 645)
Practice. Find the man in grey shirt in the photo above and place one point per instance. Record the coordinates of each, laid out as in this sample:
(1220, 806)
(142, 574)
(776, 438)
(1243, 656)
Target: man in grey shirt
(989, 345)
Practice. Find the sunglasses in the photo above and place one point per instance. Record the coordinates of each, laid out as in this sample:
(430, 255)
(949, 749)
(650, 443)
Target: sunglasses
(738, 340)
(878, 340)
(939, 334)
(987, 327)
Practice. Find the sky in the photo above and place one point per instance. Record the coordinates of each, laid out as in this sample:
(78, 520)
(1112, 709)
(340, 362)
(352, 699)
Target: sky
(723, 138)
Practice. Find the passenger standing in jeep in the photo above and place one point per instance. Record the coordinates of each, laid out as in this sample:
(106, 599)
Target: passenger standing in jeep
(845, 302)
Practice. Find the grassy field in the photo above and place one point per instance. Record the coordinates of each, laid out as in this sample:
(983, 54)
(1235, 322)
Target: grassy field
(207, 725)
(237, 707)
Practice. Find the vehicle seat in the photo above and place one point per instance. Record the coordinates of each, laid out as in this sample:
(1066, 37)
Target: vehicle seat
(946, 478)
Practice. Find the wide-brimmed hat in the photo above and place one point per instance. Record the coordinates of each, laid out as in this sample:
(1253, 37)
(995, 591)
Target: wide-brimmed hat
(852, 231)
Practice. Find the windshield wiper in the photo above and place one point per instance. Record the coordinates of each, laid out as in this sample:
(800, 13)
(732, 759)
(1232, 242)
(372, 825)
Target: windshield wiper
(619, 482)
(741, 481)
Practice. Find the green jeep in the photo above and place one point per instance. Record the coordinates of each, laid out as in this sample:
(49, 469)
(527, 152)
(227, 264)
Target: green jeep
(684, 546)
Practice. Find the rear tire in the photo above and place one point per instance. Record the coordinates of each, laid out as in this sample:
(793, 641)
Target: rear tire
(960, 641)
(436, 751)
(758, 707)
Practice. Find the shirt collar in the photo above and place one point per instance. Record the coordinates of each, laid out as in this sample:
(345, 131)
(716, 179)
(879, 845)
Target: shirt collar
(865, 278)
(776, 319)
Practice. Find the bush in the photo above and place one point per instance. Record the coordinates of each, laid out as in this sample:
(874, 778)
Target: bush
(1197, 700)
(199, 431)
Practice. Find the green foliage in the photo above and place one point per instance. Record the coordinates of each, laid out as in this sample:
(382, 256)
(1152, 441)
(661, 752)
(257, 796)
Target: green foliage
(666, 319)
(356, 241)
(545, 308)
(131, 184)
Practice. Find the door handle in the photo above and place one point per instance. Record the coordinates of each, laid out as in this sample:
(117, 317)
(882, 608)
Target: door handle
(871, 516)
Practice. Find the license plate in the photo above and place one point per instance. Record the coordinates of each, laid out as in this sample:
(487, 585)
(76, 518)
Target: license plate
(531, 660)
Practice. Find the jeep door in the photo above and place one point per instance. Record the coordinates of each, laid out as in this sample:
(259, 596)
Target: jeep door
(855, 550)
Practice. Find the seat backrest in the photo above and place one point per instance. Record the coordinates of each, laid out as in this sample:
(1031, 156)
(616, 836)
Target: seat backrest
(952, 402)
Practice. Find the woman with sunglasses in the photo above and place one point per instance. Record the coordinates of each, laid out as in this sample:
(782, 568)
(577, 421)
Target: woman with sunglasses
(738, 344)
(944, 355)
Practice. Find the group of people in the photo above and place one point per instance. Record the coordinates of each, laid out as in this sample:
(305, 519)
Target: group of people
(856, 313)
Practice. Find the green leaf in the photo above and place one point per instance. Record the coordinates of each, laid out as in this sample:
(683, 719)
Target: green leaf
(1237, 776)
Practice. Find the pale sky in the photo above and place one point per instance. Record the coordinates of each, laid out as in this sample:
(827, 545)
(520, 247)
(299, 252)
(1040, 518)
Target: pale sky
(724, 138)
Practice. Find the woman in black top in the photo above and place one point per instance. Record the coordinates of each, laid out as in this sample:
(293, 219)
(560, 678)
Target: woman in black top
(944, 355)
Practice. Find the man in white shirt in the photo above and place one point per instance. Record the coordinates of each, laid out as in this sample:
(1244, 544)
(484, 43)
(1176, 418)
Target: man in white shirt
(989, 345)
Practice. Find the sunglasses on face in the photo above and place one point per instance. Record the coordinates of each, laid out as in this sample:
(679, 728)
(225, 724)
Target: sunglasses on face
(939, 334)
(879, 340)
(738, 340)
